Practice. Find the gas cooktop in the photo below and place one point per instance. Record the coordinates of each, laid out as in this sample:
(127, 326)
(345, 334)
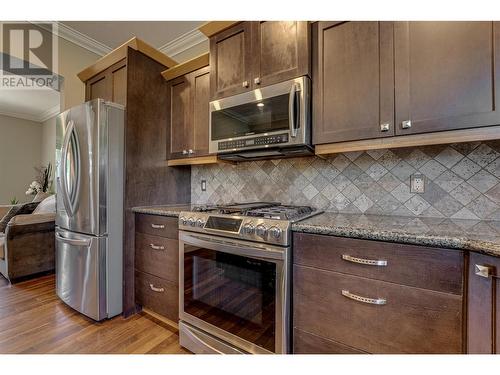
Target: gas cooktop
(268, 222)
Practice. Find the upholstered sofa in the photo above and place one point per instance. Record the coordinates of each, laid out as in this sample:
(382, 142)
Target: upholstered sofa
(27, 246)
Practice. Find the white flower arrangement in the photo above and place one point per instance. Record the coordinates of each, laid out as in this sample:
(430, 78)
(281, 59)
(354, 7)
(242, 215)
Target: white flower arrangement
(34, 188)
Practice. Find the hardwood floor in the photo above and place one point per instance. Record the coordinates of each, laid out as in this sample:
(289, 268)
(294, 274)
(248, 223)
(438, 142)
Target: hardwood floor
(34, 320)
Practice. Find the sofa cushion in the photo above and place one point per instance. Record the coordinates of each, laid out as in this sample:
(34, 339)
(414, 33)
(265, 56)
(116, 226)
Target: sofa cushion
(48, 205)
(18, 209)
(2, 246)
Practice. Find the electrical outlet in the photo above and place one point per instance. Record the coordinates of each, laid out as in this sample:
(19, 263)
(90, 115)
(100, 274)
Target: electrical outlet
(203, 185)
(417, 183)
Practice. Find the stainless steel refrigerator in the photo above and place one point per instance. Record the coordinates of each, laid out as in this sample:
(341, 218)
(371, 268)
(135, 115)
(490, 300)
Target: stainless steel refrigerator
(89, 222)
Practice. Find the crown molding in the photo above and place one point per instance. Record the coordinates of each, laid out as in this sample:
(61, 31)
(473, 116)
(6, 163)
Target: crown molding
(183, 43)
(82, 40)
(40, 117)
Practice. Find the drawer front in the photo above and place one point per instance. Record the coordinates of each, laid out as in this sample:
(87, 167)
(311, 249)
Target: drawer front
(157, 225)
(411, 321)
(158, 256)
(306, 343)
(418, 266)
(157, 294)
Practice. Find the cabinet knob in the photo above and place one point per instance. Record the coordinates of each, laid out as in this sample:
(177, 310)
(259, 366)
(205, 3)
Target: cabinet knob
(184, 152)
(406, 124)
(385, 127)
(257, 81)
(245, 84)
(483, 271)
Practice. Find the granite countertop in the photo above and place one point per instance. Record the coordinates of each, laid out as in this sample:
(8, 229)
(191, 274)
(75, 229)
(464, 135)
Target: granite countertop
(476, 235)
(167, 210)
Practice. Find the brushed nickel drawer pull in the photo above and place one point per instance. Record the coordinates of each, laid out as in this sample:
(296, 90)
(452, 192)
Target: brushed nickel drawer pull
(156, 247)
(372, 301)
(368, 262)
(155, 289)
(157, 226)
(484, 271)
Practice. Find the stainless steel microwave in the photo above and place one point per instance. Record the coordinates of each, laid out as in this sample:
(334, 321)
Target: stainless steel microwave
(272, 121)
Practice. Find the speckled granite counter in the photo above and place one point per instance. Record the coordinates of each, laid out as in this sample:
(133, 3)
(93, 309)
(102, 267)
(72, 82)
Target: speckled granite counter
(167, 210)
(481, 236)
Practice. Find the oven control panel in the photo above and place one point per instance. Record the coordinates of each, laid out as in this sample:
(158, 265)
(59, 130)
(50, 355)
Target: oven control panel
(257, 229)
(251, 142)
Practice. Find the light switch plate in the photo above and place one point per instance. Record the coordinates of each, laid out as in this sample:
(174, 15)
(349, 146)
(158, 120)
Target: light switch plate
(203, 185)
(417, 183)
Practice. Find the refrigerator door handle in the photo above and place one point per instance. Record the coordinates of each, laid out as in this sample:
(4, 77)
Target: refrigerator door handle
(73, 242)
(70, 208)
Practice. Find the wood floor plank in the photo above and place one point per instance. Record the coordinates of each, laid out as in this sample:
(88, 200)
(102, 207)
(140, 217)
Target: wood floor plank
(33, 320)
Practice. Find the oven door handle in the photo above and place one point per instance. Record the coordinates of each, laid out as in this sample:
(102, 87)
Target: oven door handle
(261, 252)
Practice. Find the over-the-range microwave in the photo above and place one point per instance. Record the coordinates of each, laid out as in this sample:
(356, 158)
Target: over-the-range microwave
(268, 122)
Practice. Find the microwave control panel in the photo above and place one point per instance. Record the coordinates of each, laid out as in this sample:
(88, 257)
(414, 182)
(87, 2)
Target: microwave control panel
(252, 142)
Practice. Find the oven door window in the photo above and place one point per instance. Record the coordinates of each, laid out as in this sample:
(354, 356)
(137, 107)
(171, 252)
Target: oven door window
(232, 292)
(265, 116)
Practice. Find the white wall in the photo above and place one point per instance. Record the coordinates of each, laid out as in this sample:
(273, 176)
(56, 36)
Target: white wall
(48, 141)
(20, 150)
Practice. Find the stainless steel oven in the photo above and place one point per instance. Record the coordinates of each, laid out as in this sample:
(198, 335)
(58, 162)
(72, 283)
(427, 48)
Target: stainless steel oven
(233, 294)
(266, 122)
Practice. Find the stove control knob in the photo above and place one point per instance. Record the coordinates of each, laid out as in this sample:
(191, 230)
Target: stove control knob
(191, 222)
(275, 232)
(248, 228)
(183, 220)
(261, 230)
(200, 223)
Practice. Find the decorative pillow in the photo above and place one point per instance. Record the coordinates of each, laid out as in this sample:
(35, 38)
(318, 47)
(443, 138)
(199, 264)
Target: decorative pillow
(19, 209)
(47, 206)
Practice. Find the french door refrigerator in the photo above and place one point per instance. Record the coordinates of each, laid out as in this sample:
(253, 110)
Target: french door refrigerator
(89, 221)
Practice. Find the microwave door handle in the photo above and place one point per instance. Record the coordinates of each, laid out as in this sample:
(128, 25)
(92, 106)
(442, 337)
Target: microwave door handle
(292, 111)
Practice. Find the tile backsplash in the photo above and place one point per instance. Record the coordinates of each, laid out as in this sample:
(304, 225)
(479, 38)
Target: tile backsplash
(462, 181)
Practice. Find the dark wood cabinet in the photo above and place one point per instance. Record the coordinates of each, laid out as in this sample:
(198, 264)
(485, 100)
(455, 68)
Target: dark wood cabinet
(483, 326)
(231, 60)
(189, 110)
(353, 77)
(157, 264)
(253, 54)
(446, 75)
(411, 302)
(110, 84)
(134, 79)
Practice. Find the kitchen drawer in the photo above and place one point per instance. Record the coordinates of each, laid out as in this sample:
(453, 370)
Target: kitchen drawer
(306, 343)
(418, 266)
(158, 256)
(157, 225)
(413, 320)
(157, 294)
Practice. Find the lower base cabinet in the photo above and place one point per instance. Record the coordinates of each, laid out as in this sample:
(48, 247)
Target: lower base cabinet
(337, 309)
(157, 264)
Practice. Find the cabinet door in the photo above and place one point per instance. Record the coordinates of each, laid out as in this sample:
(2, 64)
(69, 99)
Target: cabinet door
(230, 59)
(281, 51)
(484, 306)
(97, 87)
(446, 75)
(118, 75)
(180, 117)
(110, 84)
(200, 94)
(353, 94)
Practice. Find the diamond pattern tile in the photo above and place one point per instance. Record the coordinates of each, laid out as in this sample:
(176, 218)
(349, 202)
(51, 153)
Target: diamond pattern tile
(463, 181)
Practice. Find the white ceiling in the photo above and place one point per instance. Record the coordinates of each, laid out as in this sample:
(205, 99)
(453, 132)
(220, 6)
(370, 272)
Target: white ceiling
(35, 105)
(115, 33)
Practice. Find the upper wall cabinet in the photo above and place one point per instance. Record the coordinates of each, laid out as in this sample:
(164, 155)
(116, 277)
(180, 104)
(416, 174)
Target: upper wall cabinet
(353, 80)
(253, 54)
(189, 100)
(110, 84)
(446, 75)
